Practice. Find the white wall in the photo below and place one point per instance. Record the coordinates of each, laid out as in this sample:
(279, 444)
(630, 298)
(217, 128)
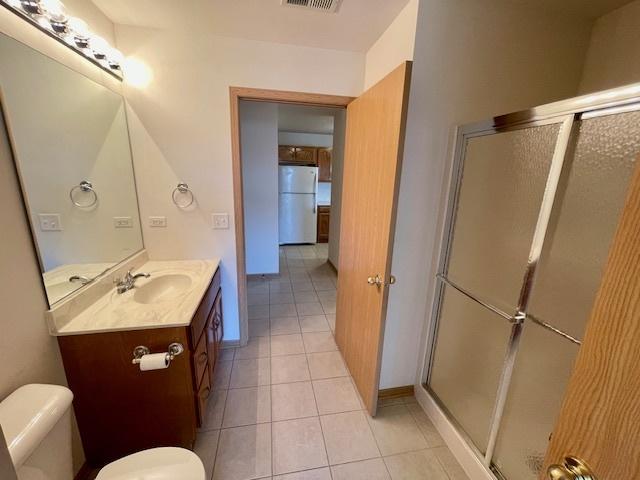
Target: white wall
(337, 167)
(28, 354)
(305, 139)
(473, 59)
(393, 47)
(180, 129)
(259, 146)
(614, 52)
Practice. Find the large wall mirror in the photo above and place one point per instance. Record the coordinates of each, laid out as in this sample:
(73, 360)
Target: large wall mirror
(71, 147)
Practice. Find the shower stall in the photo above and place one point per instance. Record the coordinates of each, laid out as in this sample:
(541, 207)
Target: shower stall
(534, 204)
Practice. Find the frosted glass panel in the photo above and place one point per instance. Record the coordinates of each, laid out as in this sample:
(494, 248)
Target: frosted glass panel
(501, 192)
(467, 364)
(542, 371)
(585, 217)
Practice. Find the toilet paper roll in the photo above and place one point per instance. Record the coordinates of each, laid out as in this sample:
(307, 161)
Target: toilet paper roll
(154, 361)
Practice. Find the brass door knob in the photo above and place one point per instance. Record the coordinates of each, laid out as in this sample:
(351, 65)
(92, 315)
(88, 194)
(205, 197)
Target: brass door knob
(572, 469)
(377, 281)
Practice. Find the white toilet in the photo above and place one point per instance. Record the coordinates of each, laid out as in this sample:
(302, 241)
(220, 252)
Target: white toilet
(36, 420)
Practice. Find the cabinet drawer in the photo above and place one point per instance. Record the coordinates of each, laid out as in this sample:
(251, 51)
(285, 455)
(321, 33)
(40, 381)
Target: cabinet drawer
(202, 314)
(202, 397)
(200, 359)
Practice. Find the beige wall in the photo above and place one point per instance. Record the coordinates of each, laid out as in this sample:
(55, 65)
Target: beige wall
(181, 130)
(473, 59)
(393, 47)
(614, 51)
(28, 354)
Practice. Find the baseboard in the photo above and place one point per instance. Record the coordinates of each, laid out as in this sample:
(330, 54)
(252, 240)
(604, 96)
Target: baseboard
(468, 460)
(396, 392)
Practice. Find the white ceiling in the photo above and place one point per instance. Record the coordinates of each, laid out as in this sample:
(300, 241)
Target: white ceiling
(300, 118)
(356, 26)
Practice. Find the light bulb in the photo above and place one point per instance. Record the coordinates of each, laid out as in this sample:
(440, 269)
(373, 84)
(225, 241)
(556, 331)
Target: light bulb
(99, 47)
(15, 3)
(31, 6)
(115, 58)
(79, 31)
(54, 11)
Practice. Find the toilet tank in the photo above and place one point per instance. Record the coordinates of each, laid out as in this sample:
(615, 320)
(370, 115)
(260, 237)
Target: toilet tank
(36, 420)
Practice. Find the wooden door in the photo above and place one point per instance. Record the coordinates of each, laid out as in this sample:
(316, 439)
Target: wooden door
(324, 164)
(600, 418)
(324, 220)
(373, 153)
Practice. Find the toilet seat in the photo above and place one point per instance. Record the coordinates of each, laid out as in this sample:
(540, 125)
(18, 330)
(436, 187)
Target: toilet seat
(167, 463)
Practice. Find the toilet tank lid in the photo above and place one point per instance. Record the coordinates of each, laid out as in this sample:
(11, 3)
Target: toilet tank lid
(29, 414)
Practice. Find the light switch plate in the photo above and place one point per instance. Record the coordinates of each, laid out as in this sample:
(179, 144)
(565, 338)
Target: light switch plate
(158, 222)
(123, 222)
(50, 222)
(220, 221)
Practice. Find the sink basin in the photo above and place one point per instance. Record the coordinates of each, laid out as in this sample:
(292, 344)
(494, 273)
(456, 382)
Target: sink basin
(162, 289)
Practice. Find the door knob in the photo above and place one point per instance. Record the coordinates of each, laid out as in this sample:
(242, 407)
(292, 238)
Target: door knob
(572, 469)
(377, 281)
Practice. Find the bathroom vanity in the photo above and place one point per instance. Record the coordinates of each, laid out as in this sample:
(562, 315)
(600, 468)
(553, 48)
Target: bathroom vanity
(121, 409)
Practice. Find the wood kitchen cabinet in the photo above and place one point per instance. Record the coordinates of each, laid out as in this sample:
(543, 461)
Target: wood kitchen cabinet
(324, 217)
(120, 409)
(290, 155)
(324, 164)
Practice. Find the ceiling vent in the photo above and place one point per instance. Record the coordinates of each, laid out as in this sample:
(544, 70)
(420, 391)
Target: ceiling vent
(330, 6)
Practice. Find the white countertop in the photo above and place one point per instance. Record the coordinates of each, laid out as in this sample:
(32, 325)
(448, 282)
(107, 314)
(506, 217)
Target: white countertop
(116, 312)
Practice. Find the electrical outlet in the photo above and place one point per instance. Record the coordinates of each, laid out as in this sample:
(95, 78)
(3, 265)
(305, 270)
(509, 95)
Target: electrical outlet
(220, 221)
(50, 222)
(158, 222)
(123, 222)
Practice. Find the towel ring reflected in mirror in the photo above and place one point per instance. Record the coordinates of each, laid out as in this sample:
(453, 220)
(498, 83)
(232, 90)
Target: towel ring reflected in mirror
(182, 189)
(86, 187)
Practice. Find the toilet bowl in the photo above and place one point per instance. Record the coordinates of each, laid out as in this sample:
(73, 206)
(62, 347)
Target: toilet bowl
(37, 427)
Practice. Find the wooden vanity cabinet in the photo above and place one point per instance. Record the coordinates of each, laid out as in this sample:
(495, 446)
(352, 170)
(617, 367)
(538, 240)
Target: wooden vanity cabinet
(120, 409)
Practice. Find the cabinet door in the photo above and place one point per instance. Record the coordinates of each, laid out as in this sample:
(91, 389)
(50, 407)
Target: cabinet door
(324, 164)
(306, 155)
(324, 217)
(286, 154)
(214, 334)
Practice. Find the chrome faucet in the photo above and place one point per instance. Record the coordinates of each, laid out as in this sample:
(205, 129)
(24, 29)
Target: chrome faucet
(129, 281)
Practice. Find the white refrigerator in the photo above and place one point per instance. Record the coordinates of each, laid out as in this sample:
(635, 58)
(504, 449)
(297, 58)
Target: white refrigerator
(297, 208)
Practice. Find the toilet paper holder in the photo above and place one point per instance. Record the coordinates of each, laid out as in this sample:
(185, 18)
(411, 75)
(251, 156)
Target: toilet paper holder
(173, 351)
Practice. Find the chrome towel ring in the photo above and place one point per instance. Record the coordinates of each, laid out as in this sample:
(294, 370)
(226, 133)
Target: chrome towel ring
(87, 187)
(182, 188)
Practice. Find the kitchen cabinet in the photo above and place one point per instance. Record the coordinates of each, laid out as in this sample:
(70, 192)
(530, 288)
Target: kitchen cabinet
(290, 155)
(324, 217)
(286, 154)
(324, 164)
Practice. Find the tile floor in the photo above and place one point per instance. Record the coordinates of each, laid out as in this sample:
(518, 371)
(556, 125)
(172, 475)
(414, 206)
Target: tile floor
(285, 408)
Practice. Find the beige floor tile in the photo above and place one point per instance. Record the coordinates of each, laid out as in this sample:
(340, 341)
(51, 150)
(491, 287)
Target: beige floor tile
(247, 406)
(302, 286)
(298, 445)
(280, 298)
(254, 299)
(422, 465)
(284, 310)
(251, 372)
(306, 297)
(396, 431)
(348, 437)
(205, 447)
(280, 288)
(324, 285)
(286, 344)
(314, 323)
(222, 375)
(313, 308)
(293, 400)
(331, 320)
(227, 354)
(335, 395)
(257, 347)
(431, 434)
(258, 311)
(215, 410)
(284, 325)
(244, 453)
(316, 474)
(289, 368)
(450, 464)
(319, 342)
(326, 365)
(373, 469)
(258, 288)
(327, 295)
(260, 328)
(329, 306)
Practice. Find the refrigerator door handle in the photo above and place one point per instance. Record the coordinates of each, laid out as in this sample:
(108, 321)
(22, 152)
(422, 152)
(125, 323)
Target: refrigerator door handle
(315, 193)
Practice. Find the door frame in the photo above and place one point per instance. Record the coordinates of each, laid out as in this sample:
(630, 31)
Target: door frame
(259, 95)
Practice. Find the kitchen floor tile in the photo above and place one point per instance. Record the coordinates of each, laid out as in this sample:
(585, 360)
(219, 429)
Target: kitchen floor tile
(293, 400)
(348, 437)
(298, 445)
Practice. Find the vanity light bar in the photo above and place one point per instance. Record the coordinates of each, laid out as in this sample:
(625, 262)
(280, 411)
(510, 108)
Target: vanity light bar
(50, 17)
